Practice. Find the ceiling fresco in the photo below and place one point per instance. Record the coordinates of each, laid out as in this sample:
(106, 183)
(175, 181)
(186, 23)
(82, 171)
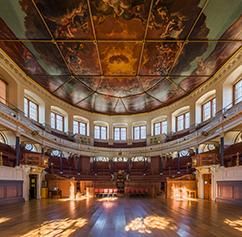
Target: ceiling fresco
(120, 56)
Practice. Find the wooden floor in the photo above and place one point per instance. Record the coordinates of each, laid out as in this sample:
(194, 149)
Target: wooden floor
(121, 217)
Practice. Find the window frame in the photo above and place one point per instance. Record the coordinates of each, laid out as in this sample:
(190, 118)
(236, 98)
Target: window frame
(161, 127)
(234, 90)
(212, 112)
(2, 99)
(139, 138)
(100, 132)
(63, 121)
(120, 137)
(183, 115)
(79, 126)
(28, 108)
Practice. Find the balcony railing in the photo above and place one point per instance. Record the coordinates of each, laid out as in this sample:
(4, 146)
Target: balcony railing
(205, 159)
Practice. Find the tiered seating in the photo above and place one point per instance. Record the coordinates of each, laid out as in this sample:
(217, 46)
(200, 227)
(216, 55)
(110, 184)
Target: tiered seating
(106, 192)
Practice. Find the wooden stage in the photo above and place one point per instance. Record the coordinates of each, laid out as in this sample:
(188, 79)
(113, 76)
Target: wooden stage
(121, 217)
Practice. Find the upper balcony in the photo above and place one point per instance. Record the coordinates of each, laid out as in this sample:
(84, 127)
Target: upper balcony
(224, 120)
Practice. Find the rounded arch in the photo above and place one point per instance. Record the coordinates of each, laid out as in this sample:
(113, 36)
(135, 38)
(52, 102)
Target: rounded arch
(62, 112)
(103, 124)
(198, 105)
(157, 120)
(84, 120)
(176, 113)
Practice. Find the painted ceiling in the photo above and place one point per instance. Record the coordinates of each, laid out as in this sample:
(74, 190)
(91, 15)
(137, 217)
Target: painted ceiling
(120, 56)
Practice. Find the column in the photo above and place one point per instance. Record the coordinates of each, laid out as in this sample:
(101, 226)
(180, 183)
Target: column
(221, 151)
(17, 149)
(47, 115)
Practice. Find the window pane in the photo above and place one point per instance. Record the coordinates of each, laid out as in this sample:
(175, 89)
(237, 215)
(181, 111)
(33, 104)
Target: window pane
(26, 113)
(187, 120)
(59, 122)
(143, 132)
(33, 111)
(157, 128)
(75, 127)
(103, 133)
(123, 134)
(164, 127)
(207, 111)
(83, 128)
(97, 132)
(238, 92)
(116, 134)
(52, 120)
(136, 133)
(180, 122)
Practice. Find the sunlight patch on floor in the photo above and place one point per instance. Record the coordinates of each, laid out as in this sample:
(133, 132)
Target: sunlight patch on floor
(60, 227)
(147, 224)
(4, 219)
(236, 224)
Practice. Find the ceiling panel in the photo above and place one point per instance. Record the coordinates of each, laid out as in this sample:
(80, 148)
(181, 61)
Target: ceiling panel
(81, 58)
(104, 103)
(120, 19)
(119, 58)
(23, 20)
(166, 91)
(66, 19)
(148, 81)
(73, 91)
(204, 58)
(91, 82)
(158, 58)
(120, 86)
(142, 103)
(51, 83)
(221, 19)
(189, 83)
(173, 19)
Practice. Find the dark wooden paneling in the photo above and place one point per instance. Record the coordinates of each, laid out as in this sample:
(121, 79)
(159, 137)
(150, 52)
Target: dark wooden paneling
(11, 191)
(230, 191)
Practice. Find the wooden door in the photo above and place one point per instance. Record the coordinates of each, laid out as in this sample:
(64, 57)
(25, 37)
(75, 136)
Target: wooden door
(207, 186)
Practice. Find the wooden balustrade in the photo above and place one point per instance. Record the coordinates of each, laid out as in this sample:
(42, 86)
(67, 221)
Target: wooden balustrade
(35, 159)
(204, 159)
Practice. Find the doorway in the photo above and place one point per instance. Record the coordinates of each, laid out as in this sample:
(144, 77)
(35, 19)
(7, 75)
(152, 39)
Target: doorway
(32, 186)
(207, 186)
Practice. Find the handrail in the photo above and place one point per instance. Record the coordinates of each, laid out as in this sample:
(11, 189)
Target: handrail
(193, 131)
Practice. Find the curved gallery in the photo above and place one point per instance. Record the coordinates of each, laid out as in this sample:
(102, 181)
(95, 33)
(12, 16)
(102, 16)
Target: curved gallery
(120, 117)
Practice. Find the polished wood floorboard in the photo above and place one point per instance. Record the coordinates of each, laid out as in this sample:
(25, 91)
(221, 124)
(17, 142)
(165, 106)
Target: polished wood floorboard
(122, 217)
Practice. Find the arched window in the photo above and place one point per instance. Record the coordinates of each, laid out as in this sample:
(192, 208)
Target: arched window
(100, 130)
(2, 139)
(58, 119)
(34, 106)
(139, 130)
(159, 126)
(30, 147)
(31, 109)
(181, 119)
(3, 91)
(80, 125)
(237, 92)
(56, 153)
